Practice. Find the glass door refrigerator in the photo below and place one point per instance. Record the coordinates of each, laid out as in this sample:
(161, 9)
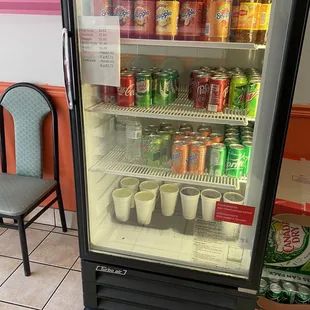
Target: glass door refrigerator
(179, 112)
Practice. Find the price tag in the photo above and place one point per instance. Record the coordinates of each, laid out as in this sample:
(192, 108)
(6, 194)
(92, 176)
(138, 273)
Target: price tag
(100, 50)
(233, 213)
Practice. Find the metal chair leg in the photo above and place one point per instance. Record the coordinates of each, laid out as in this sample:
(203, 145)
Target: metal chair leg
(1, 220)
(15, 222)
(61, 209)
(24, 247)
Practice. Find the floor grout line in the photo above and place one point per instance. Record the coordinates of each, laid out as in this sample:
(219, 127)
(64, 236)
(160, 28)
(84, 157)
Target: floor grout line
(74, 264)
(18, 305)
(62, 233)
(21, 262)
(56, 289)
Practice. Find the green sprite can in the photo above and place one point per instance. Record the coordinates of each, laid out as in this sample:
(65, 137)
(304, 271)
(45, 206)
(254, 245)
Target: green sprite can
(162, 90)
(231, 130)
(275, 292)
(154, 84)
(232, 135)
(152, 149)
(247, 133)
(263, 287)
(229, 141)
(289, 292)
(302, 295)
(252, 96)
(246, 128)
(246, 138)
(217, 159)
(237, 92)
(143, 89)
(172, 91)
(232, 127)
(165, 153)
(235, 161)
(247, 153)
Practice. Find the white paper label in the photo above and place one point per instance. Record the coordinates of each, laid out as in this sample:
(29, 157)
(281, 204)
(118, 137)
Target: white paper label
(100, 50)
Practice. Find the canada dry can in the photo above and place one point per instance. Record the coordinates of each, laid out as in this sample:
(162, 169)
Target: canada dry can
(219, 88)
(179, 157)
(302, 295)
(153, 150)
(143, 89)
(247, 154)
(237, 92)
(263, 287)
(202, 91)
(162, 89)
(217, 159)
(252, 96)
(172, 86)
(289, 292)
(275, 292)
(165, 148)
(235, 161)
(197, 158)
(126, 91)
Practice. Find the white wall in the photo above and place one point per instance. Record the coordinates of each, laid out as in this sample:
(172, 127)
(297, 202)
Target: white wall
(31, 49)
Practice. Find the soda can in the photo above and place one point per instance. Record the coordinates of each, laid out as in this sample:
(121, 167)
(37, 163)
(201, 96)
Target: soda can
(231, 130)
(187, 126)
(164, 124)
(108, 94)
(201, 91)
(170, 129)
(197, 158)
(144, 19)
(246, 138)
(247, 153)
(217, 159)
(235, 161)
(302, 295)
(195, 135)
(289, 292)
(102, 8)
(229, 141)
(152, 150)
(206, 140)
(263, 287)
(174, 83)
(219, 89)
(217, 137)
(124, 10)
(126, 92)
(232, 135)
(178, 136)
(247, 132)
(179, 157)
(232, 127)
(172, 91)
(275, 292)
(205, 132)
(165, 148)
(237, 92)
(204, 126)
(162, 89)
(246, 128)
(187, 131)
(192, 79)
(189, 140)
(144, 89)
(148, 131)
(154, 83)
(154, 127)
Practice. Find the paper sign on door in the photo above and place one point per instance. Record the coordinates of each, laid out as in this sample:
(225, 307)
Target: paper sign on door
(100, 50)
(233, 213)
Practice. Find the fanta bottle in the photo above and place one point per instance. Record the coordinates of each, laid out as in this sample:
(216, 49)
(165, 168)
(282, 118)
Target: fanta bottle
(167, 14)
(217, 20)
(144, 18)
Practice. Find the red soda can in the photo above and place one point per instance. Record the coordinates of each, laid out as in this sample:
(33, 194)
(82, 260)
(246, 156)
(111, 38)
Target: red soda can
(192, 78)
(197, 158)
(219, 88)
(144, 19)
(102, 8)
(108, 94)
(202, 91)
(126, 91)
(124, 9)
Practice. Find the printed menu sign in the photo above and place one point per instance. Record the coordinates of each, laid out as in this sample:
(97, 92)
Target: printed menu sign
(233, 213)
(100, 50)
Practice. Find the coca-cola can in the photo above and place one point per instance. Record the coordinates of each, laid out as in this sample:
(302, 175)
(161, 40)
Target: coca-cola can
(126, 91)
(192, 78)
(219, 89)
(108, 94)
(202, 91)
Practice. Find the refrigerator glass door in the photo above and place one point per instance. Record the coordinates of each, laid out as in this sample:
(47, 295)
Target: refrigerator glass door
(188, 203)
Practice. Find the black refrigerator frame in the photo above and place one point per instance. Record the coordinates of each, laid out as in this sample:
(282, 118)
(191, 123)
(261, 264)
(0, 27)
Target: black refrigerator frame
(93, 264)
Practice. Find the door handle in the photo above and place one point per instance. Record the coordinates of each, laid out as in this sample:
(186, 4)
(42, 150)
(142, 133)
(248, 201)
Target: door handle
(66, 61)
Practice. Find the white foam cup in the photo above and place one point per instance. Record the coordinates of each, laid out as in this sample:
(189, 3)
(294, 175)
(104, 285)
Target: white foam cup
(190, 199)
(122, 201)
(168, 198)
(133, 185)
(144, 206)
(209, 197)
(150, 186)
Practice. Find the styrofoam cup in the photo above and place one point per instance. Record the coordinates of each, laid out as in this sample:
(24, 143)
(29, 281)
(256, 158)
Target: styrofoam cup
(168, 198)
(209, 197)
(231, 230)
(122, 202)
(133, 185)
(190, 199)
(150, 186)
(144, 206)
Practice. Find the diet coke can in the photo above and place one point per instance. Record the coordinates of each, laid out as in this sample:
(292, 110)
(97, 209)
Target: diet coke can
(108, 94)
(126, 91)
(202, 91)
(219, 89)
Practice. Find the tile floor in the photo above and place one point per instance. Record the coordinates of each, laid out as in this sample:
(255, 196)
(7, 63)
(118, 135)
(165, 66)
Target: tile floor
(55, 282)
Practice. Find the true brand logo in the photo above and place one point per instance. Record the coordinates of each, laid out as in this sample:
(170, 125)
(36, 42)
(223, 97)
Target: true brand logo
(120, 272)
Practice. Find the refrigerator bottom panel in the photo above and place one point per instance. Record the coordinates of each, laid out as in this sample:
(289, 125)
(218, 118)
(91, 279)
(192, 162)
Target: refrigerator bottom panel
(115, 288)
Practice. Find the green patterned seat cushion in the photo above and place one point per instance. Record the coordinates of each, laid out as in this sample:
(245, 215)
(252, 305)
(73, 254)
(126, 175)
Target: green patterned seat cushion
(28, 109)
(19, 193)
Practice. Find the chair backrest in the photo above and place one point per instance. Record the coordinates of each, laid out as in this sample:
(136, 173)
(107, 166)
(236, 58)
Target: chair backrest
(29, 106)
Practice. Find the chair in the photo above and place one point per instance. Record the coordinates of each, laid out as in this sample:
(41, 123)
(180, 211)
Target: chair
(22, 192)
